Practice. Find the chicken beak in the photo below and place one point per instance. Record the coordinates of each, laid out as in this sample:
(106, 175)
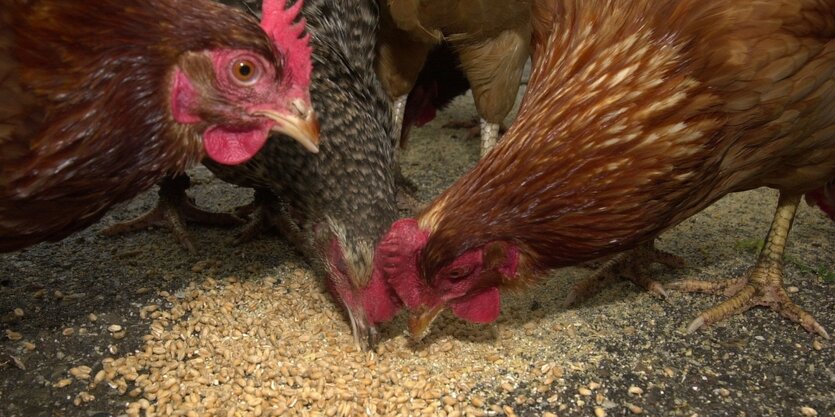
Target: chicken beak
(420, 320)
(365, 334)
(300, 125)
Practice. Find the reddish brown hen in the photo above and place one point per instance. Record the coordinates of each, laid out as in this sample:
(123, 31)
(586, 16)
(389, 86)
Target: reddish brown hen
(100, 100)
(638, 114)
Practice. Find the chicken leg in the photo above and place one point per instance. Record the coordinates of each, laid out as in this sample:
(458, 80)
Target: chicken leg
(398, 108)
(761, 285)
(494, 68)
(631, 265)
(173, 209)
(264, 213)
(489, 136)
(403, 183)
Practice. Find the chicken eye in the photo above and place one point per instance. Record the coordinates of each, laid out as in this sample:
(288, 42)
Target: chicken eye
(459, 272)
(245, 71)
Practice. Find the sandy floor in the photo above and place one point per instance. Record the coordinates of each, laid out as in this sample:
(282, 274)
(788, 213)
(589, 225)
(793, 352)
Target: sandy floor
(621, 349)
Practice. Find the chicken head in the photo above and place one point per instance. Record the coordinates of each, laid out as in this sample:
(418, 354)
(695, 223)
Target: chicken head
(367, 304)
(468, 285)
(240, 96)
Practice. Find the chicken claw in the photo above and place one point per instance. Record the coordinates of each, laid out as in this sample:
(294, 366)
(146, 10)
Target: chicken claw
(490, 132)
(260, 214)
(267, 212)
(762, 285)
(259, 221)
(472, 126)
(173, 209)
(631, 265)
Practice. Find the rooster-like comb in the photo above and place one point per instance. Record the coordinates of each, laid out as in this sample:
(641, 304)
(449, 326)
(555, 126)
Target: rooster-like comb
(289, 37)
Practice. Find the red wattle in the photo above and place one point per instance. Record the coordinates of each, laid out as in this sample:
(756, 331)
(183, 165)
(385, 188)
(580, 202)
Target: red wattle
(233, 147)
(483, 307)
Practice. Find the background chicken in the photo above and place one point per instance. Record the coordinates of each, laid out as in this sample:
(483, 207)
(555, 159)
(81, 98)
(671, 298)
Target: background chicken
(439, 82)
(824, 198)
(638, 114)
(99, 103)
(335, 205)
(491, 40)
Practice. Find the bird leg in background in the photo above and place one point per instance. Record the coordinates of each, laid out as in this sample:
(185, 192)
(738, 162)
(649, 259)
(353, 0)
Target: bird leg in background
(397, 113)
(403, 184)
(264, 213)
(632, 265)
(762, 285)
(268, 212)
(473, 127)
(173, 209)
(489, 136)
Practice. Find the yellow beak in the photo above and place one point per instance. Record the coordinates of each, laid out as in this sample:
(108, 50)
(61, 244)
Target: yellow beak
(420, 320)
(301, 126)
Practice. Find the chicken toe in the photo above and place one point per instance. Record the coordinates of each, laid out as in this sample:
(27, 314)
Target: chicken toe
(762, 285)
(257, 224)
(174, 208)
(473, 127)
(267, 212)
(631, 265)
(260, 214)
(472, 123)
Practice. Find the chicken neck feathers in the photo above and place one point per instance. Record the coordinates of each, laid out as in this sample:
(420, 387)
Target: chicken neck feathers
(84, 120)
(642, 113)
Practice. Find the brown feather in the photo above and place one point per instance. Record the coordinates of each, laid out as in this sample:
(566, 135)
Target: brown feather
(491, 37)
(638, 115)
(85, 118)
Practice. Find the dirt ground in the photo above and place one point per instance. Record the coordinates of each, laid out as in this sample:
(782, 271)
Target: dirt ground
(621, 349)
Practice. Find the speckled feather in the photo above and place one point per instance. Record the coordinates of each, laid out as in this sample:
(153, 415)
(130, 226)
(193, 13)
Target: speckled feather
(640, 114)
(347, 189)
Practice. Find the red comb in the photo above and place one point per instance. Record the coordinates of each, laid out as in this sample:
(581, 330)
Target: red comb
(279, 23)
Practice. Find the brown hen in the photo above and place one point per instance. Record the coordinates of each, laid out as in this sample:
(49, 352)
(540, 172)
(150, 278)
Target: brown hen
(99, 101)
(638, 114)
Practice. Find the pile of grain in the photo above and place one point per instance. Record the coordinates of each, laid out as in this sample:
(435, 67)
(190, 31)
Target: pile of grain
(260, 347)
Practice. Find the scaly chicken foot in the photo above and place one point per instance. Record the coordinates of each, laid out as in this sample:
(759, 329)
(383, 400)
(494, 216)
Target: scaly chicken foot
(762, 285)
(631, 265)
(489, 136)
(174, 207)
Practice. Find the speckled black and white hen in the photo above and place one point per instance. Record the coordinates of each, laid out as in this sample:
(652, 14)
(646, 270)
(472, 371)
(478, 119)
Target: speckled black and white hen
(333, 205)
